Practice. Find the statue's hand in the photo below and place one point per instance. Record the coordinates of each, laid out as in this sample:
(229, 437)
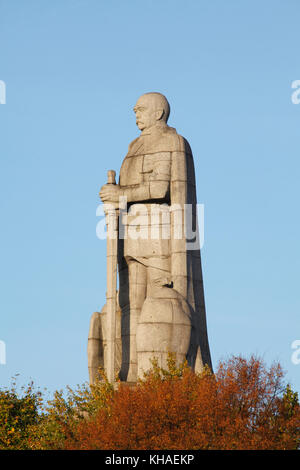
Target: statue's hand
(110, 193)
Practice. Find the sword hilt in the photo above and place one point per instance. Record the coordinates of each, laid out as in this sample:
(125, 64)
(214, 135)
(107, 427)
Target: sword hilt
(111, 177)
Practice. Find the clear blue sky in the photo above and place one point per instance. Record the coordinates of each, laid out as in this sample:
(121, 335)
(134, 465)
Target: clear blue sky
(73, 71)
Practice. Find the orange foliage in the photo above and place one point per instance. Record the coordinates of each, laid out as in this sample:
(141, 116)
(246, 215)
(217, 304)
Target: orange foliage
(243, 406)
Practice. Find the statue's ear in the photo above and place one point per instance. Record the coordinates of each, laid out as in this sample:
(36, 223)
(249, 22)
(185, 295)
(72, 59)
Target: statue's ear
(159, 114)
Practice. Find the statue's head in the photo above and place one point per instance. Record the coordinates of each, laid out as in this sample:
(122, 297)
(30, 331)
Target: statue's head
(151, 108)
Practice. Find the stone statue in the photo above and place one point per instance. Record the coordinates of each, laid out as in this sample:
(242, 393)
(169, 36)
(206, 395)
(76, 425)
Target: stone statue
(160, 305)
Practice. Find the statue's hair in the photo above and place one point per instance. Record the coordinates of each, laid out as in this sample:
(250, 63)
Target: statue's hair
(161, 102)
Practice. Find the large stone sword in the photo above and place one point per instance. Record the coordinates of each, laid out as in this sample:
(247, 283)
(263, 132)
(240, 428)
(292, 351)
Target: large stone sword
(111, 213)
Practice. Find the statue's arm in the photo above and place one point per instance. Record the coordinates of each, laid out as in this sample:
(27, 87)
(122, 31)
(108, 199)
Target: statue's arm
(154, 183)
(147, 191)
(155, 180)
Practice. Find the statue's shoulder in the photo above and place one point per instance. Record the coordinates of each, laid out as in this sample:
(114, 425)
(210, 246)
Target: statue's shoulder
(176, 142)
(163, 140)
(168, 140)
(133, 143)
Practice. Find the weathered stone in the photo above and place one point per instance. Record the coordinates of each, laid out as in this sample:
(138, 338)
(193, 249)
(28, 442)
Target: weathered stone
(161, 294)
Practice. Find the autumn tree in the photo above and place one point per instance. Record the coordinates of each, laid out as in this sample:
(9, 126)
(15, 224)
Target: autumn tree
(244, 405)
(59, 417)
(19, 411)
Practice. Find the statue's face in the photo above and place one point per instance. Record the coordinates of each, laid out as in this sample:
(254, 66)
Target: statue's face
(146, 113)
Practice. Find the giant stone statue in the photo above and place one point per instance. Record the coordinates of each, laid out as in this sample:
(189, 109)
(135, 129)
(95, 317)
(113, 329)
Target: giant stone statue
(160, 303)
